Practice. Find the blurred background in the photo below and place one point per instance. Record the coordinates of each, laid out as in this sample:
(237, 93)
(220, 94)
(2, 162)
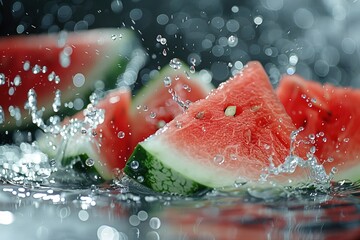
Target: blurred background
(316, 39)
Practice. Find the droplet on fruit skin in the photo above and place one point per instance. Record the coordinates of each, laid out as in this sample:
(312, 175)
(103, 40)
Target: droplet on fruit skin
(36, 69)
(219, 159)
(152, 115)
(26, 66)
(57, 101)
(140, 179)
(17, 80)
(175, 63)
(134, 165)
(2, 115)
(167, 81)
(2, 79)
(89, 162)
(161, 124)
(121, 134)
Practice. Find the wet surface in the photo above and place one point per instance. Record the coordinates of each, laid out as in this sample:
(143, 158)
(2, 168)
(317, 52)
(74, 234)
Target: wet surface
(319, 41)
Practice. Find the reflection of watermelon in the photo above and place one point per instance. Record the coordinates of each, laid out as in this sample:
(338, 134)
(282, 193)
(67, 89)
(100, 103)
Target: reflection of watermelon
(154, 106)
(104, 149)
(329, 116)
(230, 135)
(77, 59)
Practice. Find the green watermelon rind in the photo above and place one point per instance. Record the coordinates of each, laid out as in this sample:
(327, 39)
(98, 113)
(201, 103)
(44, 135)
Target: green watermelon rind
(157, 82)
(75, 147)
(78, 163)
(155, 174)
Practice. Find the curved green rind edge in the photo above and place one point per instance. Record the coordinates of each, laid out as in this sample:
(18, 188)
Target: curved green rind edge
(148, 90)
(152, 173)
(90, 173)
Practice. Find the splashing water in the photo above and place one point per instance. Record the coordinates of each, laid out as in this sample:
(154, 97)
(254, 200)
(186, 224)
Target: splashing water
(317, 174)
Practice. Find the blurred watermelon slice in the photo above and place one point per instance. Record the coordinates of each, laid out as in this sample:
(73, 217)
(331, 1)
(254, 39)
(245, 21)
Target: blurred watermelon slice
(75, 63)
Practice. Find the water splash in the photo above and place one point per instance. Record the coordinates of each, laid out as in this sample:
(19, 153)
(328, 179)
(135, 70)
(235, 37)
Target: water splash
(317, 174)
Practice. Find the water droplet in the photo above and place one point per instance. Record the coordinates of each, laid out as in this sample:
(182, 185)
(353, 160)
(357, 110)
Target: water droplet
(164, 52)
(167, 81)
(233, 157)
(219, 159)
(303, 96)
(154, 223)
(175, 63)
(51, 76)
(44, 69)
(346, 140)
(239, 183)
(258, 20)
(232, 41)
(334, 170)
(158, 38)
(178, 124)
(140, 179)
(2, 115)
(57, 79)
(313, 149)
(343, 129)
(57, 101)
(152, 115)
(26, 66)
(121, 134)
(311, 136)
(145, 108)
(36, 69)
(89, 162)
(17, 80)
(161, 123)
(192, 69)
(138, 107)
(324, 139)
(330, 159)
(113, 37)
(163, 41)
(2, 79)
(134, 165)
(267, 146)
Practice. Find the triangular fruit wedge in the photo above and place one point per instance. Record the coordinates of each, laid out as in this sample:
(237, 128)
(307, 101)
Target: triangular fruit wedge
(232, 135)
(160, 100)
(96, 151)
(329, 116)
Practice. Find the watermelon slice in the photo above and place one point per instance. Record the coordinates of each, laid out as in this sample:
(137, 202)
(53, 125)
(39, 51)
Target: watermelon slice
(97, 151)
(154, 105)
(236, 132)
(329, 116)
(70, 62)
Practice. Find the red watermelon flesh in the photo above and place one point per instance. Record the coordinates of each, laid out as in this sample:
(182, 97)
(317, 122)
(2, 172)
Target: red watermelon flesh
(328, 115)
(70, 62)
(108, 145)
(208, 147)
(153, 106)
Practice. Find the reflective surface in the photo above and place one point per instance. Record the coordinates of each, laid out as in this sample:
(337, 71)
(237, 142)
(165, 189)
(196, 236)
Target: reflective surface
(318, 40)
